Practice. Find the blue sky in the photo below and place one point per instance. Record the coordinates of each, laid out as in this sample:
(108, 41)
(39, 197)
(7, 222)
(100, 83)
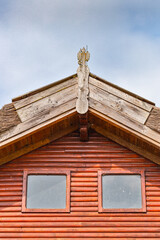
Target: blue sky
(39, 41)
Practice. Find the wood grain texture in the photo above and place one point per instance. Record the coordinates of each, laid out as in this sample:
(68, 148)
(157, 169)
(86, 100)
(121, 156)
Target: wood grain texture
(126, 122)
(121, 93)
(45, 93)
(83, 159)
(153, 121)
(121, 89)
(119, 105)
(26, 95)
(38, 120)
(48, 104)
(8, 117)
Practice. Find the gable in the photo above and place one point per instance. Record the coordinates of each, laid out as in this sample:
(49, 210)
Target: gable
(48, 113)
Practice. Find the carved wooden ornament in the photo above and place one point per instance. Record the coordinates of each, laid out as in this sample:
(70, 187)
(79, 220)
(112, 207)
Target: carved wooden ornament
(83, 75)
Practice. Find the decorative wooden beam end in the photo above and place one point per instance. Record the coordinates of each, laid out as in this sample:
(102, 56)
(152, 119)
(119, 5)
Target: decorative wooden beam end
(83, 126)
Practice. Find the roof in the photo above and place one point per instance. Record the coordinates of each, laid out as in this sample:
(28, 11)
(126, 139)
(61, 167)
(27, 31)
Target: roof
(41, 116)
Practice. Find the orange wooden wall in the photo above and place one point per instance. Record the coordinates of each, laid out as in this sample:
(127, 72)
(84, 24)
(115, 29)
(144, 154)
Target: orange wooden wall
(84, 221)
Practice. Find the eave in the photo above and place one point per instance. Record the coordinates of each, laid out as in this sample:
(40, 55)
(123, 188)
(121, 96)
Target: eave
(38, 136)
(125, 136)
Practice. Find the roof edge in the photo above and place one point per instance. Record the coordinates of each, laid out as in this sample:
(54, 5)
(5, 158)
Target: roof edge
(122, 89)
(43, 88)
(75, 75)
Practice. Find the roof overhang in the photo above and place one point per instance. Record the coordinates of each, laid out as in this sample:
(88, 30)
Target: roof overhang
(68, 122)
(50, 113)
(38, 136)
(125, 136)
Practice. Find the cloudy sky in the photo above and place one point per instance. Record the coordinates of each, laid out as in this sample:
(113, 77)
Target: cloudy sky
(39, 41)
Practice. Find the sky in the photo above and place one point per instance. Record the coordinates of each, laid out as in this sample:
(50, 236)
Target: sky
(40, 39)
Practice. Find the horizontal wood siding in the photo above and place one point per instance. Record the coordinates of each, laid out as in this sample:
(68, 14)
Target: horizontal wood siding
(84, 159)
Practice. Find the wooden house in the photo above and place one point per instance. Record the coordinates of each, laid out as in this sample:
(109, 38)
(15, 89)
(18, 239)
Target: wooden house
(80, 159)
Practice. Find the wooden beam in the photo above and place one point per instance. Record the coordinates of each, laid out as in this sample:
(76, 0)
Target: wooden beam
(83, 76)
(103, 84)
(43, 88)
(118, 104)
(21, 103)
(83, 126)
(131, 124)
(22, 128)
(48, 104)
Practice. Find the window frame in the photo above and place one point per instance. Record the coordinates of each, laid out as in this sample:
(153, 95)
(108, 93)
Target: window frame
(121, 172)
(26, 173)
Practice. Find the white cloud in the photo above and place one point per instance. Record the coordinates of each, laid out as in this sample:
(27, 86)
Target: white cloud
(39, 41)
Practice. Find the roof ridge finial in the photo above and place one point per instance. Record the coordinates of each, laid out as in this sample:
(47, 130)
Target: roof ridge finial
(83, 77)
(83, 56)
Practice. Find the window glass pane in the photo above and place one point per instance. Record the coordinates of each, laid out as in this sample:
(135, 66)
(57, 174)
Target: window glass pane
(121, 191)
(46, 191)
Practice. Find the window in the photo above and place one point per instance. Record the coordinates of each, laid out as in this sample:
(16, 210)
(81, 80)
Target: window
(121, 191)
(45, 191)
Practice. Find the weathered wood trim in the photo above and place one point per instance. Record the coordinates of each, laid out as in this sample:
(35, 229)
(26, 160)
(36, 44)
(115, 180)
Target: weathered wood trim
(47, 105)
(121, 89)
(44, 134)
(83, 126)
(37, 121)
(118, 104)
(126, 122)
(153, 120)
(83, 76)
(43, 88)
(36, 128)
(46, 93)
(125, 136)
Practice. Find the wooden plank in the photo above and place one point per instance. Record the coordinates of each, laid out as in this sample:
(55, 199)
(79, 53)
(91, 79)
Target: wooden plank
(81, 229)
(47, 104)
(38, 96)
(37, 121)
(75, 224)
(121, 94)
(26, 95)
(82, 235)
(133, 125)
(77, 238)
(84, 199)
(117, 104)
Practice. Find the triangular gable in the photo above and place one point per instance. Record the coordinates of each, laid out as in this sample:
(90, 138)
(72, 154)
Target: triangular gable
(51, 112)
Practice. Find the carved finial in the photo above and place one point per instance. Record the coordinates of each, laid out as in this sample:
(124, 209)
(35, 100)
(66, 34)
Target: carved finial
(83, 75)
(83, 56)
